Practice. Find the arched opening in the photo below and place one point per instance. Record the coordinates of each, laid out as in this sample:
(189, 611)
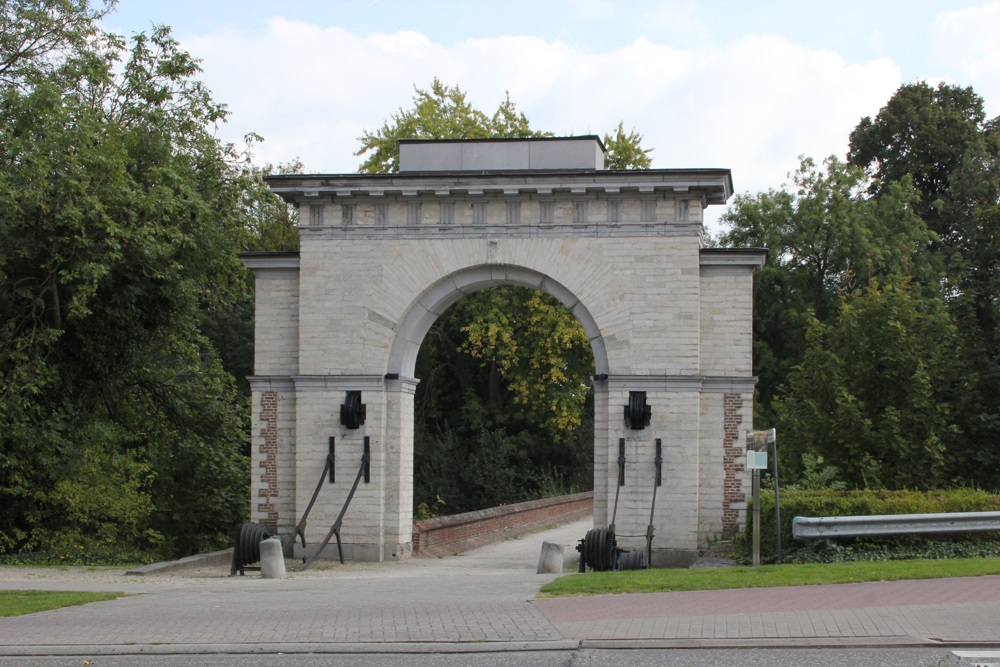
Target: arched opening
(504, 409)
(433, 302)
(482, 436)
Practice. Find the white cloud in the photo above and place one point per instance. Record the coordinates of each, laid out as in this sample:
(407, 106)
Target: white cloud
(753, 105)
(968, 37)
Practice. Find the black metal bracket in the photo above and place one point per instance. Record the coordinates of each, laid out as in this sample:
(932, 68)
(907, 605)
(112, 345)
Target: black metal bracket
(366, 459)
(352, 412)
(331, 460)
(659, 462)
(637, 414)
(621, 462)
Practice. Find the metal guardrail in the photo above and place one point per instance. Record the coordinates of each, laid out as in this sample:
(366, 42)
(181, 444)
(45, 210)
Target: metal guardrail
(825, 527)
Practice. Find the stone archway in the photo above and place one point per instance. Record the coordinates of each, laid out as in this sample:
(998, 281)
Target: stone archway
(437, 298)
(382, 256)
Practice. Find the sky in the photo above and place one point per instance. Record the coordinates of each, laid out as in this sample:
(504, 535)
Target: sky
(748, 86)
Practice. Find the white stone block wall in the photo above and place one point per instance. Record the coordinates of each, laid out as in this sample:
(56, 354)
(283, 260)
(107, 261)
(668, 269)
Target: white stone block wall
(355, 309)
(318, 418)
(604, 462)
(713, 471)
(272, 427)
(355, 294)
(726, 303)
(675, 422)
(399, 468)
(276, 321)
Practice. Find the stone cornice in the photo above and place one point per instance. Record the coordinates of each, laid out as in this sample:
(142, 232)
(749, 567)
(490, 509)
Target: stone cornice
(332, 383)
(524, 230)
(271, 383)
(257, 261)
(733, 257)
(715, 186)
(670, 383)
(339, 382)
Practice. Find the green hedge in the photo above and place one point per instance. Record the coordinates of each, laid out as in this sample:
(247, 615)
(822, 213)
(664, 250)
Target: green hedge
(861, 503)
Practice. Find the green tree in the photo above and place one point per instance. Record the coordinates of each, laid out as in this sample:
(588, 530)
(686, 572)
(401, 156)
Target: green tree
(625, 151)
(827, 240)
(439, 113)
(539, 350)
(931, 135)
(121, 216)
(872, 393)
(942, 139)
(38, 38)
(507, 369)
(270, 225)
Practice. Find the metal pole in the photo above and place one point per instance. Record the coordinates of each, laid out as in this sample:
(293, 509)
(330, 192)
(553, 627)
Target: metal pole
(777, 507)
(756, 517)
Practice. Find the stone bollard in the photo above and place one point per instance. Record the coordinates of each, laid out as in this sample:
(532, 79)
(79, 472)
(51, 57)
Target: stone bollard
(272, 561)
(551, 559)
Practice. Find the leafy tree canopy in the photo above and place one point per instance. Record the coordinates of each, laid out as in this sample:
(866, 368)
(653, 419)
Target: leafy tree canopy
(40, 37)
(119, 428)
(625, 151)
(827, 240)
(439, 113)
(872, 393)
(942, 139)
(928, 134)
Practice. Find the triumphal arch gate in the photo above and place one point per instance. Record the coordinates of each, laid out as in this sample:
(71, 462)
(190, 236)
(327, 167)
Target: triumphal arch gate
(339, 324)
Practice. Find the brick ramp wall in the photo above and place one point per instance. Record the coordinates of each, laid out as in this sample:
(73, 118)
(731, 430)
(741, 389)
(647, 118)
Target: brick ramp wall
(449, 535)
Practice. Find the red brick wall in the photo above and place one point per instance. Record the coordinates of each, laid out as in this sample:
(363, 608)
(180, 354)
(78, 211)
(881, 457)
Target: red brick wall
(734, 461)
(449, 535)
(269, 460)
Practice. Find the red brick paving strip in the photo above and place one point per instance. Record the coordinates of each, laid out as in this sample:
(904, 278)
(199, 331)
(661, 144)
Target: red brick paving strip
(767, 600)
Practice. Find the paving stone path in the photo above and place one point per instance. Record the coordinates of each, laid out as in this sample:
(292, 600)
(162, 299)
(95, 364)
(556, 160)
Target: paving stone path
(484, 598)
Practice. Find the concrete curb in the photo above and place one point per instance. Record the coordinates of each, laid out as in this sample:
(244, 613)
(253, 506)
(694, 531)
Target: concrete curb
(777, 643)
(330, 648)
(223, 557)
(403, 648)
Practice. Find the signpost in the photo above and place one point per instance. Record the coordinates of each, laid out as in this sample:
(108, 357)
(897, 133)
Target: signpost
(757, 442)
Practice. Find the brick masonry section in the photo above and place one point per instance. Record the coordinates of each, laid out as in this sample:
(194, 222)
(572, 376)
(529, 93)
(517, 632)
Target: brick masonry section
(449, 535)
(733, 459)
(269, 460)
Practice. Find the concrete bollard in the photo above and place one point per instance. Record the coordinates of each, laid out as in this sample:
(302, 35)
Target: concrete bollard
(551, 559)
(272, 561)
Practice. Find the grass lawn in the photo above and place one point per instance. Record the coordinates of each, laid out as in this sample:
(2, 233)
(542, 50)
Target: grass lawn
(655, 581)
(16, 603)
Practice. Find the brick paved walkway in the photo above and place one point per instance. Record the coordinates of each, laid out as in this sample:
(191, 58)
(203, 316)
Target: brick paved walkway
(483, 598)
(963, 609)
(163, 619)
